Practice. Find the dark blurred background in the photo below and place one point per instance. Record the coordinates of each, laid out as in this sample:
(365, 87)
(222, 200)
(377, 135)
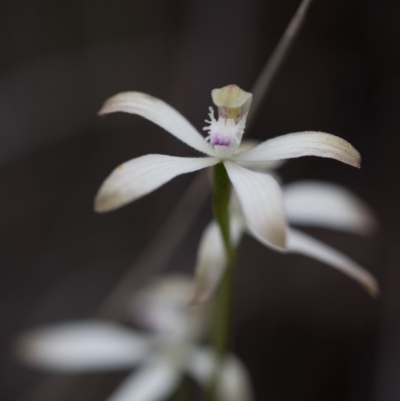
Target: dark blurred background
(305, 331)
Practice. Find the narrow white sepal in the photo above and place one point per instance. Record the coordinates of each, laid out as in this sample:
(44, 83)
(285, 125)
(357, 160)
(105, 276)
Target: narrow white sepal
(160, 113)
(327, 205)
(153, 382)
(235, 384)
(162, 308)
(299, 242)
(82, 347)
(299, 144)
(140, 176)
(261, 200)
(265, 166)
(211, 259)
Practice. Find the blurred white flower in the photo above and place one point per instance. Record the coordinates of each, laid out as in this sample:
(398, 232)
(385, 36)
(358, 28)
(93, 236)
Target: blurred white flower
(309, 203)
(162, 354)
(259, 194)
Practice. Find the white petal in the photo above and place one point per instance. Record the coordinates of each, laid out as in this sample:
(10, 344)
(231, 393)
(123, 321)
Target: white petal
(162, 308)
(262, 203)
(159, 113)
(235, 382)
(326, 205)
(140, 176)
(302, 144)
(263, 166)
(211, 259)
(82, 347)
(299, 242)
(154, 382)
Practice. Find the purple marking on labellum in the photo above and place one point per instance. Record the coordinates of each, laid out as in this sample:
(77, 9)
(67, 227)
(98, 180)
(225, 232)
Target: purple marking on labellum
(220, 142)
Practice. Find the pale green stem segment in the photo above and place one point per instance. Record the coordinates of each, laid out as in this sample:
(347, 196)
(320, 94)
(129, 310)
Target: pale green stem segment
(221, 330)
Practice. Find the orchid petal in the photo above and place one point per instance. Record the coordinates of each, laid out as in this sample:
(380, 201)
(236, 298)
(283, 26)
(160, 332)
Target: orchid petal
(299, 242)
(299, 144)
(161, 307)
(262, 167)
(159, 113)
(211, 259)
(261, 200)
(327, 205)
(140, 176)
(154, 382)
(82, 347)
(235, 382)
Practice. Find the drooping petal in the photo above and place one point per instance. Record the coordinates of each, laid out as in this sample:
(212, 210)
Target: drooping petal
(302, 144)
(326, 205)
(159, 113)
(235, 382)
(299, 242)
(82, 347)
(211, 259)
(154, 382)
(140, 176)
(261, 200)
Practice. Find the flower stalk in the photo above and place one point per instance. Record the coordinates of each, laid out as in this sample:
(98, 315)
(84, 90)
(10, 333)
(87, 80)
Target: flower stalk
(222, 321)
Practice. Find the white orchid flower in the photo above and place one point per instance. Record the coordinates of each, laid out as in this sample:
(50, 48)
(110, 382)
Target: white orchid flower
(161, 355)
(309, 203)
(259, 194)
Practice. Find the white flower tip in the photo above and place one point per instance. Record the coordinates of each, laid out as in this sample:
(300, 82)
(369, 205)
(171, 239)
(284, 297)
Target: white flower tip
(26, 349)
(336, 148)
(369, 222)
(99, 206)
(110, 196)
(348, 153)
(278, 239)
(102, 205)
(102, 111)
(357, 159)
(18, 349)
(106, 201)
(274, 238)
(120, 102)
(372, 287)
(108, 106)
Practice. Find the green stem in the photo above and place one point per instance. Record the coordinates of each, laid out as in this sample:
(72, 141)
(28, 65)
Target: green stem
(222, 324)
